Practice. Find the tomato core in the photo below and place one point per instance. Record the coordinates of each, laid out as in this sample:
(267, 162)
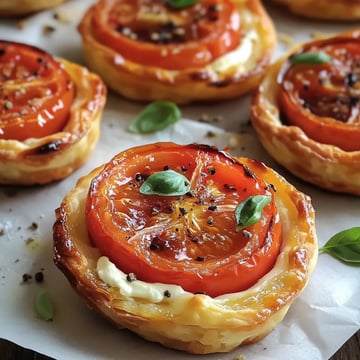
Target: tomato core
(323, 99)
(151, 33)
(189, 240)
(36, 93)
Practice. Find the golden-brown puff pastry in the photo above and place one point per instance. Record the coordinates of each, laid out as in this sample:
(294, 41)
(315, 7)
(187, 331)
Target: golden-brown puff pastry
(24, 7)
(211, 75)
(193, 322)
(344, 10)
(40, 159)
(318, 138)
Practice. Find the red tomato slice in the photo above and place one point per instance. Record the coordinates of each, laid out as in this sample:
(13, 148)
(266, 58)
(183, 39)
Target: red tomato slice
(35, 93)
(151, 33)
(324, 99)
(189, 240)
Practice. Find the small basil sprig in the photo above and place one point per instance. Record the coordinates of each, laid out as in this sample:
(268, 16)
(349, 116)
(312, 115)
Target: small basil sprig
(248, 212)
(165, 183)
(156, 116)
(345, 246)
(44, 306)
(179, 4)
(310, 58)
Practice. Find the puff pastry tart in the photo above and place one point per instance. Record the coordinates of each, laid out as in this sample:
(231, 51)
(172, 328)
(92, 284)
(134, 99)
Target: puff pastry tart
(154, 50)
(49, 115)
(307, 112)
(24, 7)
(186, 245)
(344, 10)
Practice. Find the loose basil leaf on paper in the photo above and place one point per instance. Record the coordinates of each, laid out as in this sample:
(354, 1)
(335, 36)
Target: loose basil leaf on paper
(44, 306)
(310, 58)
(248, 212)
(165, 183)
(155, 117)
(345, 246)
(179, 4)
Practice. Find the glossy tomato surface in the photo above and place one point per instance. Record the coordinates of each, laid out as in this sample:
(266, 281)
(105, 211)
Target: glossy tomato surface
(190, 240)
(35, 92)
(324, 98)
(151, 32)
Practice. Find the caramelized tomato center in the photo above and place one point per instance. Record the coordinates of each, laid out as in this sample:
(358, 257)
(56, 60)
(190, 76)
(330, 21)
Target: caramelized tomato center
(324, 99)
(189, 240)
(35, 93)
(149, 32)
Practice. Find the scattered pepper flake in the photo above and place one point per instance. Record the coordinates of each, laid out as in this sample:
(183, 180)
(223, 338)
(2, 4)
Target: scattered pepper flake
(26, 277)
(210, 134)
(33, 226)
(131, 277)
(39, 277)
(167, 293)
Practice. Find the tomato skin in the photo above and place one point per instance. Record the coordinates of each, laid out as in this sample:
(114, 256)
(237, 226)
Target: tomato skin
(192, 37)
(322, 99)
(36, 92)
(188, 240)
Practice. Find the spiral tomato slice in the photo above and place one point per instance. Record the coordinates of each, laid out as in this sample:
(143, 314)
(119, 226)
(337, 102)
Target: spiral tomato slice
(36, 92)
(324, 99)
(149, 32)
(189, 240)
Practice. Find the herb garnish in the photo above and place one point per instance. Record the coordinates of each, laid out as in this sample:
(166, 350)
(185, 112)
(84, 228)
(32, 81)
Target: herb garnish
(310, 58)
(345, 246)
(248, 212)
(156, 116)
(44, 306)
(165, 183)
(178, 4)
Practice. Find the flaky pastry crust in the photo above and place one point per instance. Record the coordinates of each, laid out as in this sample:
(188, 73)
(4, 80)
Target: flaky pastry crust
(219, 80)
(326, 166)
(195, 323)
(53, 157)
(344, 10)
(24, 7)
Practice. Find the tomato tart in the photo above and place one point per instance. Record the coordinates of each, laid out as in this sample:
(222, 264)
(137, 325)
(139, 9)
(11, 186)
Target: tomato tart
(157, 50)
(342, 10)
(50, 112)
(306, 112)
(24, 7)
(186, 245)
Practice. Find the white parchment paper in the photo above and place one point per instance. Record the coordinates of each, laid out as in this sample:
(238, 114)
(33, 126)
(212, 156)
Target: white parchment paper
(320, 321)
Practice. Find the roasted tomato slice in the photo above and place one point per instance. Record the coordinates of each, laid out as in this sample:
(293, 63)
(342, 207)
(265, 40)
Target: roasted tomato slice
(324, 98)
(35, 92)
(191, 240)
(144, 31)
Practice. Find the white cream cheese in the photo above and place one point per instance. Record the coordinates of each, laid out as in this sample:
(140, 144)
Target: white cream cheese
(240, 55)
(153, 292)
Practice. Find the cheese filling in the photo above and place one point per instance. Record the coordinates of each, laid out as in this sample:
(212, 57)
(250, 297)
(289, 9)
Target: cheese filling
(152, 292)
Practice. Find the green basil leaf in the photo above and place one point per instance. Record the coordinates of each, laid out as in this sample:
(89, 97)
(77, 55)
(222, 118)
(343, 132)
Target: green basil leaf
(156, 116)
(44, 306)
(165, 183)
(310, 58)
(178, 4)
(344, 246)
(248, 212)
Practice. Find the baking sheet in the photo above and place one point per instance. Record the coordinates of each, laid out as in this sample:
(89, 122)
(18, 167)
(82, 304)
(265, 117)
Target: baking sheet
(320, 321)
